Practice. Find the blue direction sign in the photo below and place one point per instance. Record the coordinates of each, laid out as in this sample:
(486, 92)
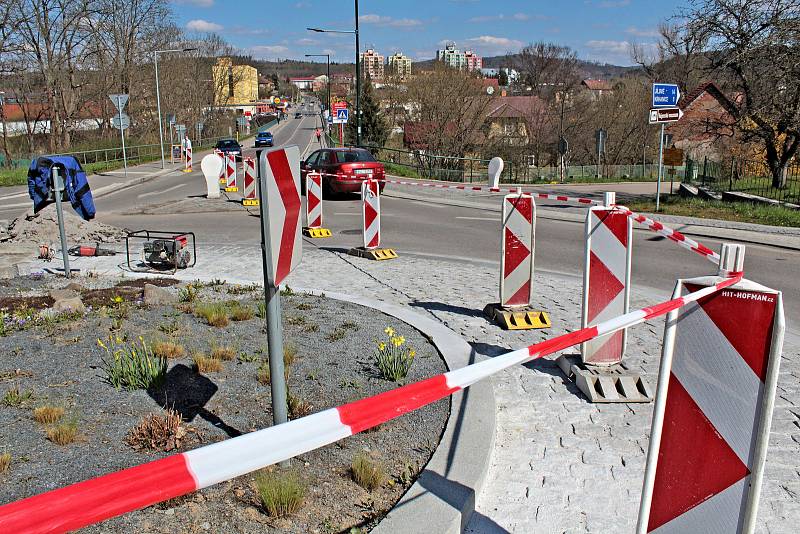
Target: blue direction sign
(665, 95)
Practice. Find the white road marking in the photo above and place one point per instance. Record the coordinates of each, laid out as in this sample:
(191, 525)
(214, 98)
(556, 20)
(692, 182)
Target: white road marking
(174, 187)
(15, 195)
(348, 214)
(493, 219)
(95, 192)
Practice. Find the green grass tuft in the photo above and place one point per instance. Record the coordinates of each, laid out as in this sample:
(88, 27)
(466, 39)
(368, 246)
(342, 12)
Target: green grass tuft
(132, 365)
(367, 472)
(281, 494)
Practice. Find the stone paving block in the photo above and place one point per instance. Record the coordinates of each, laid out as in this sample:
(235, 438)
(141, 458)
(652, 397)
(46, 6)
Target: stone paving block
(536, 407)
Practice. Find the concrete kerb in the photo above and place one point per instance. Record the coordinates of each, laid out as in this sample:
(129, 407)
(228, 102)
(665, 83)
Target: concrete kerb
(443, 497)
(788, 242)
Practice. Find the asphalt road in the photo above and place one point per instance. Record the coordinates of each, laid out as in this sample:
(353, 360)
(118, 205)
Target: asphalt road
(425, 228)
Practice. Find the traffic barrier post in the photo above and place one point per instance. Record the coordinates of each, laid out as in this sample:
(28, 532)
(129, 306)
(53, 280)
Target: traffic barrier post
(188, 167)
(313, 226)
(517, 255)
(223, 180)
(713, 408)
(371, 224)
(230, 174)
(606, 278)
(249, 198)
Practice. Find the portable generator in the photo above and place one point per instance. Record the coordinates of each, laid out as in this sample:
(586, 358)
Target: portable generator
(162, 251)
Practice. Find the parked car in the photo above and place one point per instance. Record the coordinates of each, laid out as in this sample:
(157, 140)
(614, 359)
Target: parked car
(230, 146)
(263, 139)
(343, 169)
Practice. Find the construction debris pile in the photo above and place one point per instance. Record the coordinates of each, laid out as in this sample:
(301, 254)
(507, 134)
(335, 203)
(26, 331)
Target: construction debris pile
(42, 228)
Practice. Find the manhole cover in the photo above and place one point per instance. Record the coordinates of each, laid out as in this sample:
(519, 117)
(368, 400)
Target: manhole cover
(356, 231)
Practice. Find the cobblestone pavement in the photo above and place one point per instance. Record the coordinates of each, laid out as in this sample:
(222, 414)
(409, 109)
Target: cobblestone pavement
(560, 464)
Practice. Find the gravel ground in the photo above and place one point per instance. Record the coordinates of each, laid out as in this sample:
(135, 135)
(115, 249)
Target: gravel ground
(59, 363)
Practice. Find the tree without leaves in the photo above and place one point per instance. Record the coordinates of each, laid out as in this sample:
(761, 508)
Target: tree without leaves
(755, 44)
(545, 68)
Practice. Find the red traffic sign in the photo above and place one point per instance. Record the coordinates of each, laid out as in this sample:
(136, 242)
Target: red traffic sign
(280, 180)
(660, 115)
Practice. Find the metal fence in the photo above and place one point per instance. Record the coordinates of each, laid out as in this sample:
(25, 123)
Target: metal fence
(460, 169)
(745, 176)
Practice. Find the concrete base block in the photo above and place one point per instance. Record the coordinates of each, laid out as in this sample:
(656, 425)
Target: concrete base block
(615, 383)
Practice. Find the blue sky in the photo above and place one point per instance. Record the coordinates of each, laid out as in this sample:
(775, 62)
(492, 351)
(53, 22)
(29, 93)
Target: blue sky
(600, 30)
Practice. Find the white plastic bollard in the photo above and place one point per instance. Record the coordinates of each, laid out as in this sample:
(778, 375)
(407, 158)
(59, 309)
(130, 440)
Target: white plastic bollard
(212, 167)
(495, 170)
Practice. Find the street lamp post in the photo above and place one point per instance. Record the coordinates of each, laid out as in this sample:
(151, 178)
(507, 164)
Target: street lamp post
(5, 130)
(158, 96)
(328, 58)
(358, 71)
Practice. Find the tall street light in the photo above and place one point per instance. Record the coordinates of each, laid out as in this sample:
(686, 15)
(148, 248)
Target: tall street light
(358, 72)
(328, 57)
(158, 96)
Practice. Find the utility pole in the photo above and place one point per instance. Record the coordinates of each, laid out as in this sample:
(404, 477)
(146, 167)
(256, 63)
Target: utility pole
(358, 83)
(5, 128)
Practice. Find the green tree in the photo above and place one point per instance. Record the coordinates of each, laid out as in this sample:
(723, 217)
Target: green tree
(374, 130)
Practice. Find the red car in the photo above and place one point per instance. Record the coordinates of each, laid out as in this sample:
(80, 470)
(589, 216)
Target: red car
(343, 169)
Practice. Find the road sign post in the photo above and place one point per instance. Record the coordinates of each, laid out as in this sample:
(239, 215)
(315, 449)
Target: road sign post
(665, 102)
(119, 101)
(58, 187)
(281, 251)
(600, 141)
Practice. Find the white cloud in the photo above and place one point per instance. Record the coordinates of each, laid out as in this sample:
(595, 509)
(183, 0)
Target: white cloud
(382, 20)
(305, 41)
(490, 45)
(302, 5)
(196, 3)
(268, 50)
(612, 4)
(200, 25)
(642, 32)
(616, 52)
(515, 16)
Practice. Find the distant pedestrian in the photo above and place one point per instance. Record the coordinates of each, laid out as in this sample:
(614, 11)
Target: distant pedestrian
(319, 136)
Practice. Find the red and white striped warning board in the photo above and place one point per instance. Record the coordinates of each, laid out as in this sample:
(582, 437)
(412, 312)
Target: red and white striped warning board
(230, 173)
(314, 200)
(371, 200)
(188, 159)
(713, 411)
(280, 183)
(517, 255)
(222, 180)
(606, 280)
(249, 193)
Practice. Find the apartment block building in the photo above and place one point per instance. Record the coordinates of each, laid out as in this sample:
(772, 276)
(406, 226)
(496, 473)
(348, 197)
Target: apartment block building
(372, 63)
(399, 64)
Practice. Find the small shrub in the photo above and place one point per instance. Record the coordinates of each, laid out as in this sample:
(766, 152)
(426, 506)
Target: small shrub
(349, 325)
(157, 432)
(261, 310)
(241, 290)
(16, 398)
(287, 291)
(310, 327)
(214, 313)
(264, 375)
(5, 462)
(132, 365)
(393, 359)
(247, 358)
(281, 494)
(367, 473)
(222, 353)
(295, 320)
(289, 354)
(171, 328)
(336, 334)
(168, 349)
(204, 364)
(242, 313)
(48, 414)
(297, 406)
(305, 306)
(188, 294)
(64, 433)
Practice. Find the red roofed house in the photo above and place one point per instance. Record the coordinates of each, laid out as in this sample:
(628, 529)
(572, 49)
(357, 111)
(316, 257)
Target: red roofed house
(597, 88)
(706, 128)
(512, 118)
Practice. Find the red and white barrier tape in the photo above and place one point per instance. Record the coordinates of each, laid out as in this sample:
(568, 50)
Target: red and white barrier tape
(649, 223)
(97, 499)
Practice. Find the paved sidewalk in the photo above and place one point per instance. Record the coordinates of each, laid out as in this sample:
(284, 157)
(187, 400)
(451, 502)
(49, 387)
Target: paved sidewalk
(560, 464)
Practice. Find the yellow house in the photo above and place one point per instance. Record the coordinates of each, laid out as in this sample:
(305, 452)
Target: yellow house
(234, 84)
